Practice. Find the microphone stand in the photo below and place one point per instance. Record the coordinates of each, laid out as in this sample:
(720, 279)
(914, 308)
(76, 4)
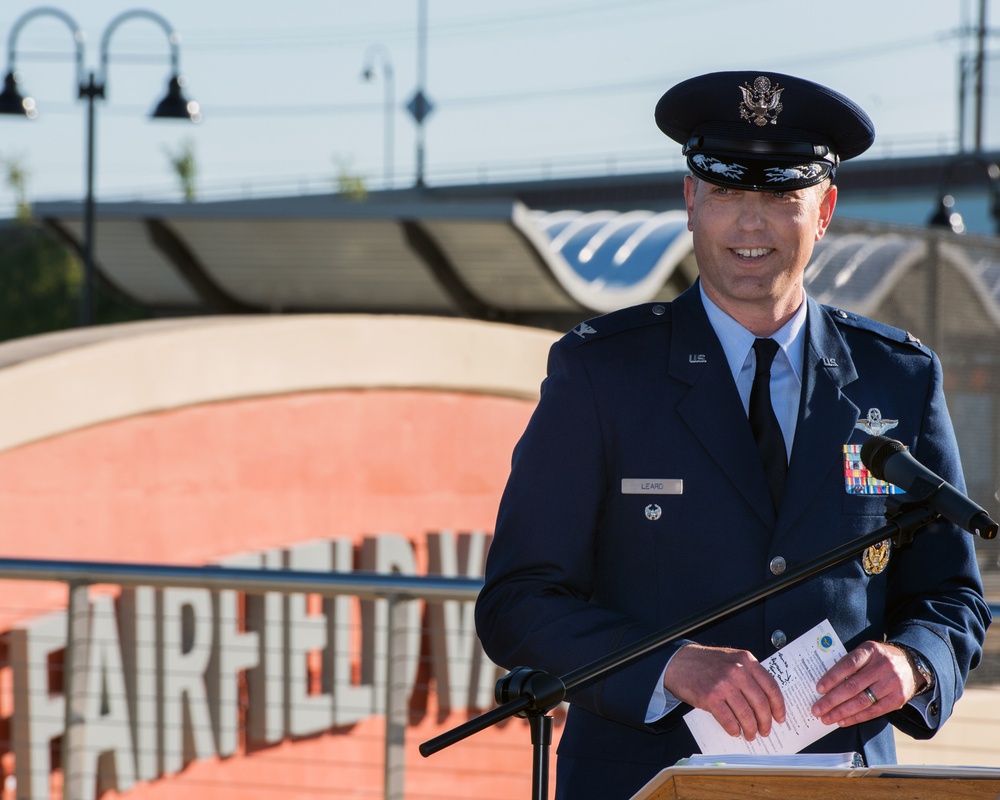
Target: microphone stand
(531, 693)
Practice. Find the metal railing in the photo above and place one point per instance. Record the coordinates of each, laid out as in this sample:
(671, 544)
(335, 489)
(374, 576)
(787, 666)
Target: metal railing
(397, 590)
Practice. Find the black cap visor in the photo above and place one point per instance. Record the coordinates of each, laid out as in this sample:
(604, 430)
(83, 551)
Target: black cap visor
(759, 166)
(758, 176)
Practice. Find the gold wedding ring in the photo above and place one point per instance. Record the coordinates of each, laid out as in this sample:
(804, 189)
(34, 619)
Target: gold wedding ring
(871, 695)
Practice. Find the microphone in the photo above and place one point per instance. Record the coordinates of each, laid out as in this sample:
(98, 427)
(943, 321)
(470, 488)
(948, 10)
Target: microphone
(888, 460)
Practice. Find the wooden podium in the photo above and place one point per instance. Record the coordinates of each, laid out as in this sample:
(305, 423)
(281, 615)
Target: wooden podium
(796, 783)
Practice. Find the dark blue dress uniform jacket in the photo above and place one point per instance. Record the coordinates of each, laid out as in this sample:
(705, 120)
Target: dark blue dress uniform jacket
(577, 570)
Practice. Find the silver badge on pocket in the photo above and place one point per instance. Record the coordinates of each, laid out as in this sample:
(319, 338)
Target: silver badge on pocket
(875, 424)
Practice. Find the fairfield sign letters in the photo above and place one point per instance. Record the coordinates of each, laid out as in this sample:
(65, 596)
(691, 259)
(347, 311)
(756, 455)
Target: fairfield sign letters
(163, 668)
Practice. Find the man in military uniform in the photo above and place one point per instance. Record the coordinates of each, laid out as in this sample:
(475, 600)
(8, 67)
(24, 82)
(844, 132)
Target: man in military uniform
(665, 471)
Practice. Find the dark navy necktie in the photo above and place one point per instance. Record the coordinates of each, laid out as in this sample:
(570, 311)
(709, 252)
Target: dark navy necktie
(764, 423)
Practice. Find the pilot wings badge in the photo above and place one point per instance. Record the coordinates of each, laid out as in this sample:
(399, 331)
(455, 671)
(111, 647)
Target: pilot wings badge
(761, 102)
(874, 424)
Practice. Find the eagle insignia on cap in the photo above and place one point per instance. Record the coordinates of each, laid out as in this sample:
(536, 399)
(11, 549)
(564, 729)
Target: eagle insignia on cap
(762, 102)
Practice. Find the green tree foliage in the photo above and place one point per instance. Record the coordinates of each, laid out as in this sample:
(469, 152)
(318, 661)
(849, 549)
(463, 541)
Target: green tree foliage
(39, 281)
(186, 168)
(349, 184)
(41, 274)
(16, 176)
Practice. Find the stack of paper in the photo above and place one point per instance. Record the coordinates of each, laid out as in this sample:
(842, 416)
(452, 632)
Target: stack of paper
(849, 760)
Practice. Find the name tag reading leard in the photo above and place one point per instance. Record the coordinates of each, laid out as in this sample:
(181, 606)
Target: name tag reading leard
(652, 486)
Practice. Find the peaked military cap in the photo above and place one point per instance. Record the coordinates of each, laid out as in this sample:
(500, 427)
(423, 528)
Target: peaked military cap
(763, 131)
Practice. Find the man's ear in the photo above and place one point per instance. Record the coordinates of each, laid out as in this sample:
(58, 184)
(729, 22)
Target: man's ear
(826, 205)
(690, 184)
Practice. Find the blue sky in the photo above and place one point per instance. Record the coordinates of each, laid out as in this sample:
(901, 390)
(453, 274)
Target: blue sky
(521, 89)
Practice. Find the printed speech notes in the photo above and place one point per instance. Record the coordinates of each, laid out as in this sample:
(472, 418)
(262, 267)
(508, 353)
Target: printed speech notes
(796, 667)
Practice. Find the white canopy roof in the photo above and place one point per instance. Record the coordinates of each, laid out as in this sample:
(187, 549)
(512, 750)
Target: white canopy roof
(493, 260)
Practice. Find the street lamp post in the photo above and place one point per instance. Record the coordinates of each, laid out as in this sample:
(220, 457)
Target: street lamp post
(173, 106)
(420, 105)
(368, 73)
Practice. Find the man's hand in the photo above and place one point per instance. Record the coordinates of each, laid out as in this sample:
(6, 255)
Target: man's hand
(729, 684)
(872, 680)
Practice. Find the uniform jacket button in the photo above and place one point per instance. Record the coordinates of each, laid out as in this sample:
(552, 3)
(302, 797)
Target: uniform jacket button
(778, 639)
(777, 565)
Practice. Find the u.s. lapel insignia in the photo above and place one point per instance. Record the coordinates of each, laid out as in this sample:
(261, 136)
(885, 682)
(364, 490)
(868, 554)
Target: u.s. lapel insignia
(874, 424)
(583, 329)
(876, 558)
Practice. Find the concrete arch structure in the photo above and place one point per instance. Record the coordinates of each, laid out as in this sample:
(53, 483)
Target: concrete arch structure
(59, 383)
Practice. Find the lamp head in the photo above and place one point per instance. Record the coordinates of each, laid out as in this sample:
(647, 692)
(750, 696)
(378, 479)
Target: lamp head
(946, 216)
(175, 106)
(13, 102)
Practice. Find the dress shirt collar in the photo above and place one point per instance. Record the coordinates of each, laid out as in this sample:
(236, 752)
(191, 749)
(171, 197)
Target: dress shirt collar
(737, 341)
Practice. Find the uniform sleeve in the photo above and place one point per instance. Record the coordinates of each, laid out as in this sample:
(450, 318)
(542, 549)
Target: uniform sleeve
(936, 602)
(535, 608)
